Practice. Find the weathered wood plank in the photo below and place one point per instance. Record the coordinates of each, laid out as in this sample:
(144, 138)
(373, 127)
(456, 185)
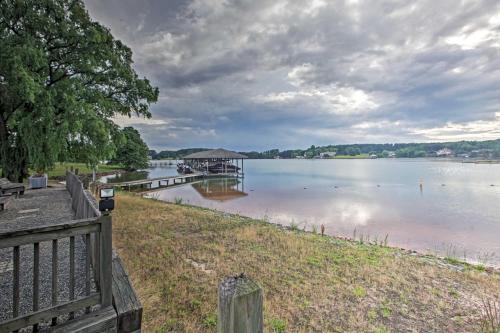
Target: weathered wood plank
(37, 237)
(103, 320)
(71, 272)
(105, 261)
(54, 277)
(127, 305)
(4, 202)
(36, 279)
(15, 282)
(45, 315)
(49, 227)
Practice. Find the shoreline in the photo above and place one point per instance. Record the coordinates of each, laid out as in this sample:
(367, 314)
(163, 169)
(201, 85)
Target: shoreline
(449, 260)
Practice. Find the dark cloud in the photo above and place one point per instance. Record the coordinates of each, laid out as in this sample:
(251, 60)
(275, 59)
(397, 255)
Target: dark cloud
(274, 73)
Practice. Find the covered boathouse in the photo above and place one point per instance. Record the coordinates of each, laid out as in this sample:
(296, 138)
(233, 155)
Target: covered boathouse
(217, 161)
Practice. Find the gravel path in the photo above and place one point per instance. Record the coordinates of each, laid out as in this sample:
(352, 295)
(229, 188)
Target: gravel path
(36, 207)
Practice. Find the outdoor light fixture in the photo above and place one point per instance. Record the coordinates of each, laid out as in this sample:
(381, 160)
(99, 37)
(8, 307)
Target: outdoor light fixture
(107, 193)
(106, 204)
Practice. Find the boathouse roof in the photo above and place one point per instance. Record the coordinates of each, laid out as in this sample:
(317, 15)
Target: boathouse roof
(215, 153)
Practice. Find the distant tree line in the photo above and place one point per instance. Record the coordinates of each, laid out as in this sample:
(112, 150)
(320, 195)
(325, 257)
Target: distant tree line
(473, 149)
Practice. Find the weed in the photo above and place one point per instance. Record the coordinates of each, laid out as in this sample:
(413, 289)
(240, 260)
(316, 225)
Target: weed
(385, 311)
(359, 291)
(194, 304)
(314, 261)
(372, 315)
(294, 226)
(210, 320)
(453, 261)
(277, 325)
(154, 196)
(381, 330)
(490, 318)
(314, 229)
(178, 201)
(385, 239)
(169, 326)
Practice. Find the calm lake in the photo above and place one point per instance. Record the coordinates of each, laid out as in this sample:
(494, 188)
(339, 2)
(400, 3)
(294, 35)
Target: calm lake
(456, 212)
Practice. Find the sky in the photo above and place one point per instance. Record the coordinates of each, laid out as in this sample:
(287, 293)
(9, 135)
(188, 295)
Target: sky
(262, 74)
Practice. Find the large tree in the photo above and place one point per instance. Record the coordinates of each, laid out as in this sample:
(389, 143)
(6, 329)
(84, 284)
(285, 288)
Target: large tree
(62, 78)
(132, 152)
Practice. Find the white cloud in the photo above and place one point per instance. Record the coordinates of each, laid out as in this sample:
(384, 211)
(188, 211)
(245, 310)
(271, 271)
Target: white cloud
(131, 121)
(474, 130)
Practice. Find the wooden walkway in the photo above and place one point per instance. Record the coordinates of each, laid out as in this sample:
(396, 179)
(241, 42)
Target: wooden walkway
(168, 181)
(161, 181)
(57, 270)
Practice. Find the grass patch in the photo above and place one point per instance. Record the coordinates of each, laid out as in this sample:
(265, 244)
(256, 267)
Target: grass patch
(176, 255)
(277, 325)
(59, 169)
(359, 291)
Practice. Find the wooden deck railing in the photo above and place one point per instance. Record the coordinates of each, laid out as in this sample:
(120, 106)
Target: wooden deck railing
(95, 230)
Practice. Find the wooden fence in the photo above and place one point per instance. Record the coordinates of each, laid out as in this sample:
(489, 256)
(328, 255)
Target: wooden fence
(95, 230)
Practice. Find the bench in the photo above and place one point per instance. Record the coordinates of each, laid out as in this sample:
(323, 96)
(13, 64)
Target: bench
(8, 188)
(4, 201)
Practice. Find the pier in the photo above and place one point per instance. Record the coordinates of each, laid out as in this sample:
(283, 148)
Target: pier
(170, 181)
(160, 181)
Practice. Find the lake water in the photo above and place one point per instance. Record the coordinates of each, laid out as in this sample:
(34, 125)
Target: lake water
(456, 212)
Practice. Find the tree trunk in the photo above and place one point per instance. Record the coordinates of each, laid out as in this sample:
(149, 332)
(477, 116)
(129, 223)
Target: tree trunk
(12, 158)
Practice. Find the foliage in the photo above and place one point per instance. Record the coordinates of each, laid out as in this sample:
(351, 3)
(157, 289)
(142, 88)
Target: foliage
(210, 320)
(62, 79)
(132, 151)
(474, 149)
(174, 154)
(59, 169)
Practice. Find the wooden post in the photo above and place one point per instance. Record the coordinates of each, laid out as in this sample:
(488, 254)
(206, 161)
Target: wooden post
(240, 306)
(105, 261)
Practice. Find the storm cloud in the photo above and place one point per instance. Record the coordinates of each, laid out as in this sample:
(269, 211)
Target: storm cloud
(267, 74)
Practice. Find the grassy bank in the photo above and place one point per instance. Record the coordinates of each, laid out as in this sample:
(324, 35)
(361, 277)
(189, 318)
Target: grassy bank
(176, 256)
(60, 169)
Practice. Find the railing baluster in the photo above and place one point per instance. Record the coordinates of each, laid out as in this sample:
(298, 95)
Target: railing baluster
(54, 277)
(87, 267)
(36, 279)
(105, 261)
(72, 272)
(15, 282)
(96, 259)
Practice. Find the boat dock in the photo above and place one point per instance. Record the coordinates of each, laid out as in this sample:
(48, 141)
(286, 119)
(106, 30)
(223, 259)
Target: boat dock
(160, 181)
(169, 181)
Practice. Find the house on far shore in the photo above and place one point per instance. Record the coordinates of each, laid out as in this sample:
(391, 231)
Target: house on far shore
(445, 152)
(327, 154)
(481, 153)
(391, 154)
